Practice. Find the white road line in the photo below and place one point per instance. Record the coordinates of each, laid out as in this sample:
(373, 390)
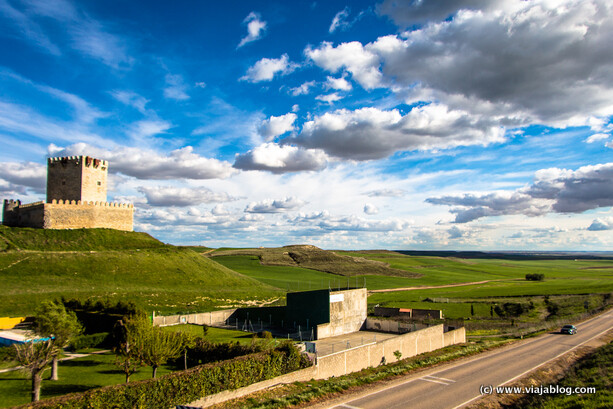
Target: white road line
(435, 381)
(349, 406)
(532, 369)
(439, 378)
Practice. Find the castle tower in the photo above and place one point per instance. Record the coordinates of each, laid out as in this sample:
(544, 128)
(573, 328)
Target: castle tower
(76, 178)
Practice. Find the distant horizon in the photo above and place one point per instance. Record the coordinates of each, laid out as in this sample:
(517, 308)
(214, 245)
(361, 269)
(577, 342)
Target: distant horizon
(464, 125)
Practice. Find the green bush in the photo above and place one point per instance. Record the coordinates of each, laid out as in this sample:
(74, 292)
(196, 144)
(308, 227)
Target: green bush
(535, 277)
(186, 386)
(99, 340)
(7, 354)
(204, 352)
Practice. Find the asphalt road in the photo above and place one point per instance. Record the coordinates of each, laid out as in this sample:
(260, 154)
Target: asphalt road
(457, 384)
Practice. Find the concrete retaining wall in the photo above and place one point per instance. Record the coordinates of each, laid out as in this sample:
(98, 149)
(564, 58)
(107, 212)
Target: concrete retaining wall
(398, 327)
(374, 354)
(302, 375)
(206, 318)
(351, 360)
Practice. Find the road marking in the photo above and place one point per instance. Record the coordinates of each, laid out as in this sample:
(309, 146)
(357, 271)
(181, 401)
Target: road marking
(442, 381)
(532, 369)
(349, 406)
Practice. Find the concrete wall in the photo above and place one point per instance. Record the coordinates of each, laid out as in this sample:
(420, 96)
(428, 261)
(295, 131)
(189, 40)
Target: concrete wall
(374, 354)
(206, 318)
(348, 310)
(417, 313)
(399, 327)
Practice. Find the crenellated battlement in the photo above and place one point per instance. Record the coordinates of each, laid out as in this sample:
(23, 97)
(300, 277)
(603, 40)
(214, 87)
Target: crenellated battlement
(91, 203)
(77, 160)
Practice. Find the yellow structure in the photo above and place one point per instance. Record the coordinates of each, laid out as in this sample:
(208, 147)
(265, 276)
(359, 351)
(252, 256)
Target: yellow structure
(8, 322)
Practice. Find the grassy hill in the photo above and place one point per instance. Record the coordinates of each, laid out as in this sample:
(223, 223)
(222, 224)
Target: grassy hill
(314, 258)
(37, 265)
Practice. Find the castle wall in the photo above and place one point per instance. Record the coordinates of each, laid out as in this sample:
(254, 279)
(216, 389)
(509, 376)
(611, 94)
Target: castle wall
(88, 215)
(70, 215)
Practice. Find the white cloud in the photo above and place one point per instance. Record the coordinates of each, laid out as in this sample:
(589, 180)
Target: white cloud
(405, 13)
(182, 196)
(277, 125)
(340, 84)
(339, 20)
(355, 58)
(281, 159)
(147, 164)
(200, 84)
(175, 87)
(266, 68)
(597, 137)
(16, 177)
(553, 191)
(255, 28)
(330, 98)
(370, 209)
(274, 206)
(303, 89)
(386, 193)
(32, 31)
(371, 133)
(601, 224)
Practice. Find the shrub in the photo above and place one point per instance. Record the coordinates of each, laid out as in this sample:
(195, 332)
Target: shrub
(99, 340)
(7, 354)
(181, 387)
(535, 277)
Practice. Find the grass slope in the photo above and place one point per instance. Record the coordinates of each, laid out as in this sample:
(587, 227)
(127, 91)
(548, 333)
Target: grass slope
(134, 267)
(314, 258)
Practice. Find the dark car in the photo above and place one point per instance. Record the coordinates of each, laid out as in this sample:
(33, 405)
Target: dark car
(569, 329)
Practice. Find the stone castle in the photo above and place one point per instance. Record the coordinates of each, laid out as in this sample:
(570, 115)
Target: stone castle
(76, 199)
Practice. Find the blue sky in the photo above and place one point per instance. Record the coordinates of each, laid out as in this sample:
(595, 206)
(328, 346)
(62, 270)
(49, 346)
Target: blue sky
(405, 125)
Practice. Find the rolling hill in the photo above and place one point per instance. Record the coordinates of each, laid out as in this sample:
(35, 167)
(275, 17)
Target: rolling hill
(37, 265)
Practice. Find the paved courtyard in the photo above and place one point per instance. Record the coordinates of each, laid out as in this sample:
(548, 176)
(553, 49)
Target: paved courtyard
(331, 345)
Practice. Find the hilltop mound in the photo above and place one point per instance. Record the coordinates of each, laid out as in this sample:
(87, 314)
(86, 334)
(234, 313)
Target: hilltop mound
(37, 265)
(23, 238)
(307, 256)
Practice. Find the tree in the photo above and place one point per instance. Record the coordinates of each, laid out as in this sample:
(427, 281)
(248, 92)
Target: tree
(398, 355)
(159, 347)
(472, 309)
(35, 357)
(130, 335)
(188, 341)
(52, 320)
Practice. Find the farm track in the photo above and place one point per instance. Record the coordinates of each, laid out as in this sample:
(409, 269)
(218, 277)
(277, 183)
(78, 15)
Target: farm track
(389, 290)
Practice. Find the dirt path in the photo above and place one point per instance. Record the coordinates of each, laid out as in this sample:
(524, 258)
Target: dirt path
(389, 290)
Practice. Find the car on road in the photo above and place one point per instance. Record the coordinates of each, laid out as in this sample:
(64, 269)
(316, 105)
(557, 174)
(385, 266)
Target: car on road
(569, 329)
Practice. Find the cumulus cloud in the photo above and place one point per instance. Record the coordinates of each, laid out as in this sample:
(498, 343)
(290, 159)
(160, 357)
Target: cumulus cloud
(277, 125)
(15, 177)
(340, 84)
(529, 62)
(371, 133)
(553, 190)
(281, 159)
(408, 13)
(601, 224)
(597, 137)
(182, 196)
(266, 68)
(455, 232)
(274, 206)
(303, 89)
(175, 87)
(147, 164)
(329, 98)
(353, 223)
(362, 63)
(255, 28)
(370, 209)
(191, 217)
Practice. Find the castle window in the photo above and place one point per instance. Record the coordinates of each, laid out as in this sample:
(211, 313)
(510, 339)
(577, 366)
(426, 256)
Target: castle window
(99, 183)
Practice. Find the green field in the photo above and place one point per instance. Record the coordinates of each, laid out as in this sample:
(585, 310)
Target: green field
(213, 334)
(154, 275)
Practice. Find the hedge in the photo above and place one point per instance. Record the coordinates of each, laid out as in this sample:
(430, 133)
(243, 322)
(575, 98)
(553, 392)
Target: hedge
(179, 388)
(102, 339)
